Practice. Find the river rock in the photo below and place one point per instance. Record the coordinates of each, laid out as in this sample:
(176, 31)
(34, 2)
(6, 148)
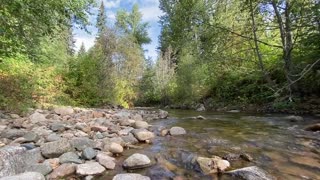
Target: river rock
(37, 117)
(141, 125)
(13, 133)
(54, 163)
(15, 160)
(43, 168)
(200, 108)
(143, 134)
(89, 153)
(114, 148)
(163, 114)
(174, 131)
(294, 118)
(53, 137)
(25, 176)
(57, 127)
(130, 139)
(164, 132)
(64, 111)
(250, 173)
(106, 161)
(125, 131)
(212, 165)
(90, 168)
(31, 137)
(160, 172)
(130, 176)
(313, 127)
(137, 161)
(69, 157)
(63, 171)
(80, 143)
(137, 117)
(56, 148)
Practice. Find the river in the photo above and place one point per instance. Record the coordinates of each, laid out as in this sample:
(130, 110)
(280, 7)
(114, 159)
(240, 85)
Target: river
(279, 146)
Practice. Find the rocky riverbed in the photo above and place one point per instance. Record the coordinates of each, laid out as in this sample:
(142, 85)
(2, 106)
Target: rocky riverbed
(119, 144)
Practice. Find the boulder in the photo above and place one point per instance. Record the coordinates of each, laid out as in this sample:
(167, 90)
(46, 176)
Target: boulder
(31, 137)
(114, 148)
(89, 153)
(141, 125)
(163, 114)
(57, 127)
(37, 117)
(125, 131)
(130, 139)
(130, 176)
(64, 111)
(80, 143)
(143, 134)
(53, 137)
(200, 108)
(15, 160)
(137, 161)
(106, 161)
(212, 165)
(250, 173)
(174, 131)
(313, 127)
(13, 133)
(25, 176)
(294, 118)
(56, 148)
(54, 163)
(70, 157)
(43, 168)
(63, 171)
(90, 168)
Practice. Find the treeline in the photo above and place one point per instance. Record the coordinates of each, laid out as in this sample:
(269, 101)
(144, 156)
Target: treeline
(221, 53)
(40, 68)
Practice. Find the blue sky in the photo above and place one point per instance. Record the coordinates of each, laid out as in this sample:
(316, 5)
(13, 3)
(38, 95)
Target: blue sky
(149, 9)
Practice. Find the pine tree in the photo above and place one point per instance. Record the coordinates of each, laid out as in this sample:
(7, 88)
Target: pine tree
(82, 50)
(101, 20)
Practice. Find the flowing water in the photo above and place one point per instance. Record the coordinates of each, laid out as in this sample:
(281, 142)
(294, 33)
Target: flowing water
(279, 146)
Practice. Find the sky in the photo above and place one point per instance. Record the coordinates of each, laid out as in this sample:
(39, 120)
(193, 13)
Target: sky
(149, 9)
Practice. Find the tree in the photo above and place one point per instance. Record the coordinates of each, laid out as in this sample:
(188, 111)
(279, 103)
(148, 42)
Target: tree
(101, 20)
(82, 50)
(131, 24)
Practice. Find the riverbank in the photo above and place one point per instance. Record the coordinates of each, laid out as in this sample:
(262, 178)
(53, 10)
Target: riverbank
(112, 143)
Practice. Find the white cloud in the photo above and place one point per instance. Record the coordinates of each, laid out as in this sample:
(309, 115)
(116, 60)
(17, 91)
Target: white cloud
(112, 3)
(151, 13)
(88, 42)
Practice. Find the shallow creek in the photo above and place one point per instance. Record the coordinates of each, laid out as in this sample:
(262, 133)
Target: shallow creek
(279, 146)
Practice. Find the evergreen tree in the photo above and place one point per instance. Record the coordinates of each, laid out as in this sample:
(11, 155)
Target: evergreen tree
(101, 20)
(82, 50)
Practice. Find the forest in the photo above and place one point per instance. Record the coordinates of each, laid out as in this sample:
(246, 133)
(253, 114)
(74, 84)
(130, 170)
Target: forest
(261, 53)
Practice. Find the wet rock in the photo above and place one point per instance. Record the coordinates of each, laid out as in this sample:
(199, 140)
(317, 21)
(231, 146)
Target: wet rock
(64, 111)
(90, 168)
(212, 165)
(246, 157)
(80, 143)
(163, 114)
(159, 172)
(53, 137)
(201, 117)
(43, 168)
(137, 161)
(31, 137)
(15, 160)
(142, 134)
(250, 173)
(37, 117)
(164, 132)
(231, 157)
(114, 148)
(141, 125)
(294, 118)
(313, 127)
(13, 133)
(174, 131)
(56, 148)
(130, 176)
(106, 161)
(89, 153)
(69, 157)
(25, 176)
(200, 107)
(63, 171)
